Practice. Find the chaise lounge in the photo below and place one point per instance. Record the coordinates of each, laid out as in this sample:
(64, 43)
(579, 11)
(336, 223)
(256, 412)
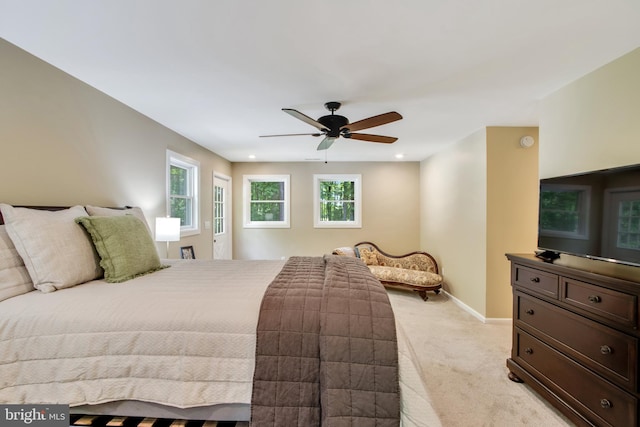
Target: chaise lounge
(416, 271)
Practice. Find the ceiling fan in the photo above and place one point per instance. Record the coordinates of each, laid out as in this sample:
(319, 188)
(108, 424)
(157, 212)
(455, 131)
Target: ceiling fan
(333, 126)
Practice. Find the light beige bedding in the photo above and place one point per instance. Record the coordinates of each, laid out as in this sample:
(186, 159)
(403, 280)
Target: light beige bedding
(181, 337)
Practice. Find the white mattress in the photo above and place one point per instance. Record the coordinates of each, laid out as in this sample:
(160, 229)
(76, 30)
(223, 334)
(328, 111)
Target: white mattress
(182, 337)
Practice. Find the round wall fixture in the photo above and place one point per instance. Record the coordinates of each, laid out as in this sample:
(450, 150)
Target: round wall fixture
(527, 141)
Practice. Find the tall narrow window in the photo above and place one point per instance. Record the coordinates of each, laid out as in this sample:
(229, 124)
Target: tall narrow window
(337, 201)
(266, 201)
(182, 186)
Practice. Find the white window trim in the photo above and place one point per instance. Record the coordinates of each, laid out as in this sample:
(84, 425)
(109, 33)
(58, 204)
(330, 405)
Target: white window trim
(177, 159)
(357, 222)
(246, 206)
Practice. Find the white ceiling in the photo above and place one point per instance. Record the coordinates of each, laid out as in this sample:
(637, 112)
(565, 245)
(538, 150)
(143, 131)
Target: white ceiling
(219, 71)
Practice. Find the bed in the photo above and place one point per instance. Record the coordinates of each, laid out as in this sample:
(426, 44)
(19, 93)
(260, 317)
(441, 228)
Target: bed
(177, 342)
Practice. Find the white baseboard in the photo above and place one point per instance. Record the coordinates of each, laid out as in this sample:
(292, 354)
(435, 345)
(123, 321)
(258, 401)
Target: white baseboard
(480, 317)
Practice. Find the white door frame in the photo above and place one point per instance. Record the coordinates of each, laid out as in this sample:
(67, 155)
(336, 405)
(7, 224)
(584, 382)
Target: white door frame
(228, 214)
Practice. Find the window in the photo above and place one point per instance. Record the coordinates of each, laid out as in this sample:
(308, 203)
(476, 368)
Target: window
(337, 201)
(218, 210)
(564, 210)
(266, 201)
(182, 185)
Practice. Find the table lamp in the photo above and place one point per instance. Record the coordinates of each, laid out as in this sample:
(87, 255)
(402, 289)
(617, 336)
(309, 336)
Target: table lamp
(167, 230)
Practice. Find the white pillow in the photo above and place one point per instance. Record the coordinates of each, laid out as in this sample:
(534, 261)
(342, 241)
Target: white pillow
(135, 211)
(56, 251)
(14, 277)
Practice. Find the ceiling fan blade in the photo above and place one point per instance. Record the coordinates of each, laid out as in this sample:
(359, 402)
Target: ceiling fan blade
(326, 143)
(381, 119)
(298, 115)
(292, 134)
(371, 138)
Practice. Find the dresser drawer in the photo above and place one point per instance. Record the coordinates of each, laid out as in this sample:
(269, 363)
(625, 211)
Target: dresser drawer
(600, 401)
(537, 281)
(613, 305)
(611, 353)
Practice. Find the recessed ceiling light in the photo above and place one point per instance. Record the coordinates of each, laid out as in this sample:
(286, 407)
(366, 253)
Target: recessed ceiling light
(252, 156)
(399, 156)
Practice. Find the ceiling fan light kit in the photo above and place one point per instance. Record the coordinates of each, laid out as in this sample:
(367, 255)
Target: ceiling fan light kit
(333, 126)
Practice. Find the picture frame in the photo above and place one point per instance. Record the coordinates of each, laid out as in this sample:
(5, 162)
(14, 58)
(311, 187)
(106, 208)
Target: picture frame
(186, 252)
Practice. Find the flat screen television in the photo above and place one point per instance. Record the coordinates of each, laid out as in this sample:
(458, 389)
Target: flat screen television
(594, 215)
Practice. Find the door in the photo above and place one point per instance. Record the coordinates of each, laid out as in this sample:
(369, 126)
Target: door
(222, 237)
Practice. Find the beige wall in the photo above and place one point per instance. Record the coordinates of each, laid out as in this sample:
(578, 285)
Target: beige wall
(512, 210)
(590, 124)
(453, 206)
(478, 202)
(593, 123)
(390, 196)
(64, 142)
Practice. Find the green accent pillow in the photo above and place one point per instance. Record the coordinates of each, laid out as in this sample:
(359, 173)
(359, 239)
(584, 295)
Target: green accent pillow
(124, 245)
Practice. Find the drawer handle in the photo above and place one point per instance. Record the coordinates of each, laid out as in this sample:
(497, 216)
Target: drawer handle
(528, 350)
(535, 279)
(530, 311)
(594, 299)
(605, 349)
(605, 403)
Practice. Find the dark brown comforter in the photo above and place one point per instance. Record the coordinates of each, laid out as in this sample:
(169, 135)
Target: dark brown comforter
(326, 351)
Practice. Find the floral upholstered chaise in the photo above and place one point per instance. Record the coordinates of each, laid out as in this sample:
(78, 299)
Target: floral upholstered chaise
(416, 271)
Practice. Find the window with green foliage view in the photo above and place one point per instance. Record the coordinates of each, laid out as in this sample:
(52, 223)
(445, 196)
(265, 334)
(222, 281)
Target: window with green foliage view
(182, 182)
(266, 201)
(337, 201)
(180, 200)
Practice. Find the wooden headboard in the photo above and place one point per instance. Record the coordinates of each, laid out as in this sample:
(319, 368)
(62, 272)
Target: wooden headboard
(43, 208)
(49, 208)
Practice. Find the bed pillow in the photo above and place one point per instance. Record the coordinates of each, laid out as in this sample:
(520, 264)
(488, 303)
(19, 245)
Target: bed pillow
(56, 251)
(14, 277)
(125, 247)
(135, 211)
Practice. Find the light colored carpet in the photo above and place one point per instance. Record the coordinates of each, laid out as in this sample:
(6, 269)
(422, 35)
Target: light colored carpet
(463, 361)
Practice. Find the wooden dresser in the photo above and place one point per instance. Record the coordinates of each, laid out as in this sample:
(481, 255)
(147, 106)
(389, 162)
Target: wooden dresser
(575, 340)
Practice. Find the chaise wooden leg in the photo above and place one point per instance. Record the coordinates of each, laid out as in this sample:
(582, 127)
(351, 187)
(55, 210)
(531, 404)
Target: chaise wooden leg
(423, 295)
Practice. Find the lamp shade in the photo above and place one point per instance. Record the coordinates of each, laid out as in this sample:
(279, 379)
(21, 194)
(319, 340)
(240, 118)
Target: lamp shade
(167, 229)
